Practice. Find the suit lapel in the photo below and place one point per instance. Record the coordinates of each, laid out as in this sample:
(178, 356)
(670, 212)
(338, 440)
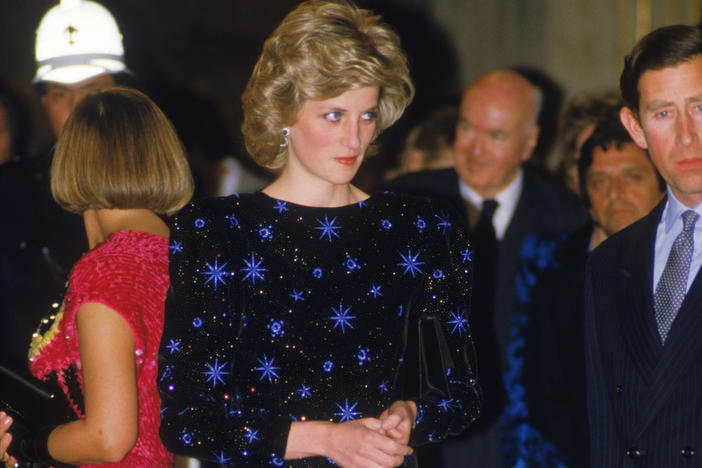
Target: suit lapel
(682, 349)
(635, 303)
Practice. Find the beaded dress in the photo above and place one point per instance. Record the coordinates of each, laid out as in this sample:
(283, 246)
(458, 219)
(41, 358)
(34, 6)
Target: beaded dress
(280, 312)
(128, 272)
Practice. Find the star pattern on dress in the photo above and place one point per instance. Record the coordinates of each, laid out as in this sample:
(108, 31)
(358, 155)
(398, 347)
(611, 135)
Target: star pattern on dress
(221, 458)
(267, 369)
(253, 269)
(467, 255)
(444, 221)
(280, 206)
(276, 328)
(265, 232)
(216, 273)
(251, 435)
(328, 228)
(346, 412)
(420, 223)
(304, 391)
(410, 263)
(173, 346)
(351, 264)
(341, 317)
(445, 404)
(233, 221)
(386, 224)
(458, 322)
(383, 387)
(215, 372)
(363, 355)
(297, 295)
(375, 290)
(175, 247)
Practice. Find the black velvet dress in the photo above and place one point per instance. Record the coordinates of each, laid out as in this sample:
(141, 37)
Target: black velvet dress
(279, 312)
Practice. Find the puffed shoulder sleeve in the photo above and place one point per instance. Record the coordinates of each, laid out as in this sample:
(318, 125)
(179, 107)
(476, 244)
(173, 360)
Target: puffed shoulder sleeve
(445, 295)
(208, 411)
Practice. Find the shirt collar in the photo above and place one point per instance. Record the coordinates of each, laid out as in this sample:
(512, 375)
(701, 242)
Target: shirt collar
(674, 210)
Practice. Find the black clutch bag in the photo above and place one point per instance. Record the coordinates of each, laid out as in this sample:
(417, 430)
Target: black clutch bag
(427, 360)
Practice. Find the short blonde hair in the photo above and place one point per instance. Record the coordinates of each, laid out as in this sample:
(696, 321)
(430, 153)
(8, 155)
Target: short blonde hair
(118, 150)
(321, 49)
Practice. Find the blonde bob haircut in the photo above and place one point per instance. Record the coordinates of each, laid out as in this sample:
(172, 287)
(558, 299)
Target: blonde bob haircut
(119, 151)
(322, 49)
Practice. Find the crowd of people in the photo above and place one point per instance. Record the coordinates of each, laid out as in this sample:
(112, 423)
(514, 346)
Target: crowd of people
(473, 311)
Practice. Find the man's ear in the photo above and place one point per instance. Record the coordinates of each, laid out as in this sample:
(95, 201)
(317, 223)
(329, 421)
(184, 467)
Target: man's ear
(532, 140)
(632, 125)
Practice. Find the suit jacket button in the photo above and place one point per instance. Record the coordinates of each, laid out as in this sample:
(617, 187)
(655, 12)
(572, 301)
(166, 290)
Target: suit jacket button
(688, 452)
(633, 452)
(619, 389)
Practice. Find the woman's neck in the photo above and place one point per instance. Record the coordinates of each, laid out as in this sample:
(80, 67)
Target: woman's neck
(314, 193)
(99, 224)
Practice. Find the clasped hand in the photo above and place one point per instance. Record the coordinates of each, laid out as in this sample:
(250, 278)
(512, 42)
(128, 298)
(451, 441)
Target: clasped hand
(374, 442)
(5, 439)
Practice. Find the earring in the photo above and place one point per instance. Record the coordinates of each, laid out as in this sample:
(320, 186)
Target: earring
(286, 134)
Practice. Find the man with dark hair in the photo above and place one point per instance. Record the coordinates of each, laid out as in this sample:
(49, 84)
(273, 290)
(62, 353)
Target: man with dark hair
(642, 291)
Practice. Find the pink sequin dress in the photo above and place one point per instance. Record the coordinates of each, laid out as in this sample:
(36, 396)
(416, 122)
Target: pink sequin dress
(128, 273)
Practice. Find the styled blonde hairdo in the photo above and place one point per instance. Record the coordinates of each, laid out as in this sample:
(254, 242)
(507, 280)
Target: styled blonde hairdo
(321, 49)
(118, 150)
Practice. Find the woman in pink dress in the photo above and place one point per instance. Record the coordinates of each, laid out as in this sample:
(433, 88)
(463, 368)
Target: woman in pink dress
(120, 164)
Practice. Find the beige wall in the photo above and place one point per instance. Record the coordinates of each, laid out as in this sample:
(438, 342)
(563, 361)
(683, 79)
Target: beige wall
(578, 43)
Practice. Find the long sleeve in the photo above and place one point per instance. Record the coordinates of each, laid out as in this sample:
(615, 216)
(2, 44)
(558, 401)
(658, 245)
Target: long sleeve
(446, 295)
(210, 410)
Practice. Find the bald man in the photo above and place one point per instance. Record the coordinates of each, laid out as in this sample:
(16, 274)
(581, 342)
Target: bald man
(496, 135)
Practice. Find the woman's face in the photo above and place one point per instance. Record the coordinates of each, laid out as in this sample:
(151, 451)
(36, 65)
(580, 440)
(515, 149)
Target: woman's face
(328, 141)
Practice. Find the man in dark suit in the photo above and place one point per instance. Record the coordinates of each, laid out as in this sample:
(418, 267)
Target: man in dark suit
(496, 134)
(643, 292)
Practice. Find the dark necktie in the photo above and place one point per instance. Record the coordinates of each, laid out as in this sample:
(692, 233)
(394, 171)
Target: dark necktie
(486, 248)
(672, 286)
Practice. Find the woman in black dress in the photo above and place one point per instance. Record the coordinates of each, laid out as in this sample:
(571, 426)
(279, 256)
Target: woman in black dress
(287, 324)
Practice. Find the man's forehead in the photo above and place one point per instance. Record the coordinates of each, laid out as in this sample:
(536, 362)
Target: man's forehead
(91, 83)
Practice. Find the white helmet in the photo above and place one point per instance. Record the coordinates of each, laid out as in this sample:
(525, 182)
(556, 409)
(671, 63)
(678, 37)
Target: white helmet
(78, 40)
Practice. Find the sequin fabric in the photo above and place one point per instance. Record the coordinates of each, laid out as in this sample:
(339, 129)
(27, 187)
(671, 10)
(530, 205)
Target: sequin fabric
(280, 313)
(128, 273)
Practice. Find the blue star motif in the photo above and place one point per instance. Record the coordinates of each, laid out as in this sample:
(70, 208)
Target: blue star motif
(362, 203)
(266, 232)
(328, 228)
(317, 273)
(363, 355)
(173, 346)
(383, 387)
(410, 263)
(438, 274)
(233, 221)
(276, 460)
(346, 412)
(253, 269)
(280, 206)
(400, 310)
(199, 223)
(445, 404)
(251, 435)
(351, 264)
(175, 247)
(420, 415)
(375, 290)
(222, 459)
(215, 372)
(420, 223)
(297, 295)
(327, 366)
(444, 222)
(304, 391)
(215, 273)
(458, 322)
(197, 322)
(467, 255)
(342, 318)
(276, 328)
(187, 438)
(267, 369)
(386, 224)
